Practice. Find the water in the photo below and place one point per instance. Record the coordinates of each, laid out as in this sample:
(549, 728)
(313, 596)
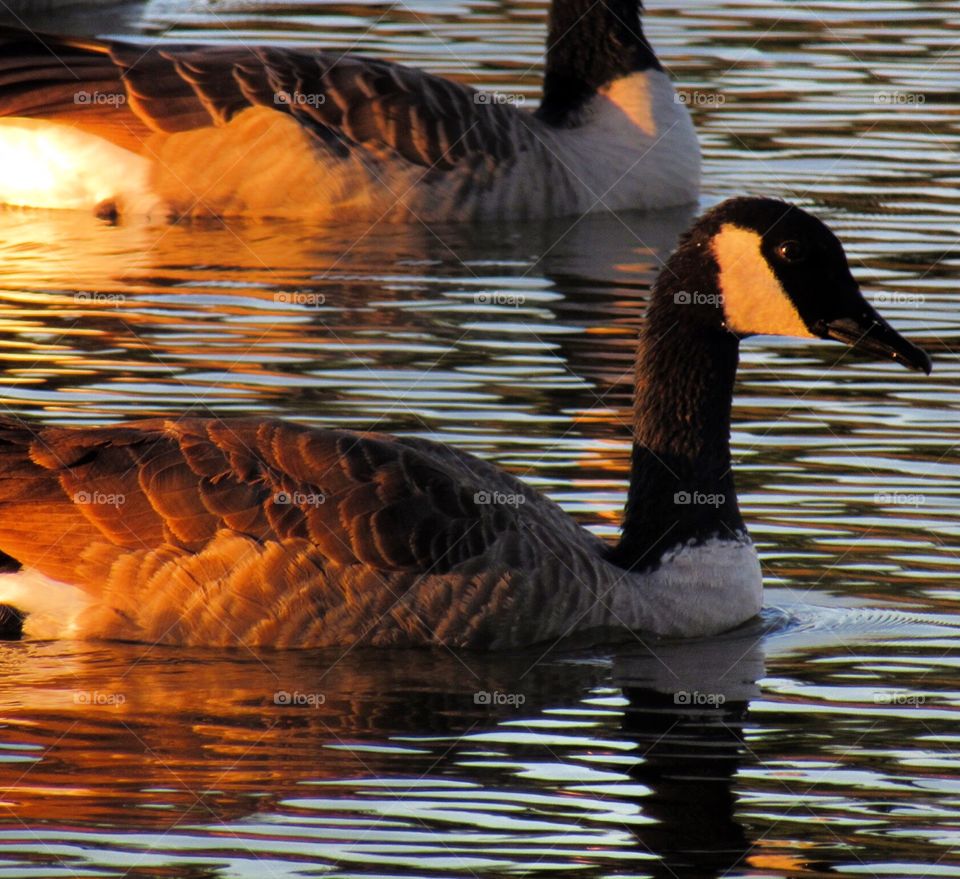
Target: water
(822, 739)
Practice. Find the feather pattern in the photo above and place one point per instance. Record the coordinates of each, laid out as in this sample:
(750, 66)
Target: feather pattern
(264, 532)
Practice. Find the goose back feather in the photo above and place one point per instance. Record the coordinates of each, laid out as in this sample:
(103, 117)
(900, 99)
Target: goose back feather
(191, 532)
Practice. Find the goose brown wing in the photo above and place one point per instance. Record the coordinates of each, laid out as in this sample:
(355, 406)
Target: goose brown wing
(343, 101)
(364, 499)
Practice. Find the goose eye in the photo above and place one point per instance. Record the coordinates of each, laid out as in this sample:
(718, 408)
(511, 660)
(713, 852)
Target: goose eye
(791, 251)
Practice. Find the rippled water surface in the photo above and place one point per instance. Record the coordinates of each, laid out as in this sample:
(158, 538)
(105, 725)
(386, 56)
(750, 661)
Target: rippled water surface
(822, 739)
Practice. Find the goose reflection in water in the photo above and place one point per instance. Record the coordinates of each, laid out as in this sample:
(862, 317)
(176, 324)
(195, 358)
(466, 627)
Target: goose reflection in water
(482, 327)
(406, 760)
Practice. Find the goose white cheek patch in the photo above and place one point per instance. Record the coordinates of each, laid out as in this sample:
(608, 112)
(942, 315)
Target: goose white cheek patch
(754, 301)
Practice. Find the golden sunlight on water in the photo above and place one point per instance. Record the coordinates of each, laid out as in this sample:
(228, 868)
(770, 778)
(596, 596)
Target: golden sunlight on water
(820, 740)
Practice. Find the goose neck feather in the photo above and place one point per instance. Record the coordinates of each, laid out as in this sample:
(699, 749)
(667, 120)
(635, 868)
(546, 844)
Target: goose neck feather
(681, 483)
(590, 44)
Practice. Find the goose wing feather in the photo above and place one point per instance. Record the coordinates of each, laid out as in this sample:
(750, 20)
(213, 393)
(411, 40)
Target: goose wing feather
(391, 505)
(343, 102)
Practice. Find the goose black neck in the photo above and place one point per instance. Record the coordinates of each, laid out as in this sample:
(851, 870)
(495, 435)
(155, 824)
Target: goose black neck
(589, 44)
(681, 482)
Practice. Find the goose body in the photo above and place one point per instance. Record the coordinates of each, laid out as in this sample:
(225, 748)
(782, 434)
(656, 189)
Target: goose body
(265, 533)
(261, 532)
(123, 128)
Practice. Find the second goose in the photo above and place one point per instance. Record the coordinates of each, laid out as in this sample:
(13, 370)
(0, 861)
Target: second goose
(179, 130)
(262, 532)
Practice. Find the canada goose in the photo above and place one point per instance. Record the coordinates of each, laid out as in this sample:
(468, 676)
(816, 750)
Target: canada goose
(261, 532)
(223, 130)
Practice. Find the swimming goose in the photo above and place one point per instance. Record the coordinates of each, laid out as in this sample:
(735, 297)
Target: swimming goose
(224, 130)
(262, 532)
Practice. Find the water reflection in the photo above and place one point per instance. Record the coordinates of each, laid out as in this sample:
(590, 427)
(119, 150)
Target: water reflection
(607, 762)
(657, 758)
(206, 314)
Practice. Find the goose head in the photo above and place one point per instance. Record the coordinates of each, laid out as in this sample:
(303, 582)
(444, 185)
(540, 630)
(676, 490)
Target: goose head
(777, 270)
(748, 266)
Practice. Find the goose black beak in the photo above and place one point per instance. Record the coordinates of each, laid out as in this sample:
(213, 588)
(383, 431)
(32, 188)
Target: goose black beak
(871, 333)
